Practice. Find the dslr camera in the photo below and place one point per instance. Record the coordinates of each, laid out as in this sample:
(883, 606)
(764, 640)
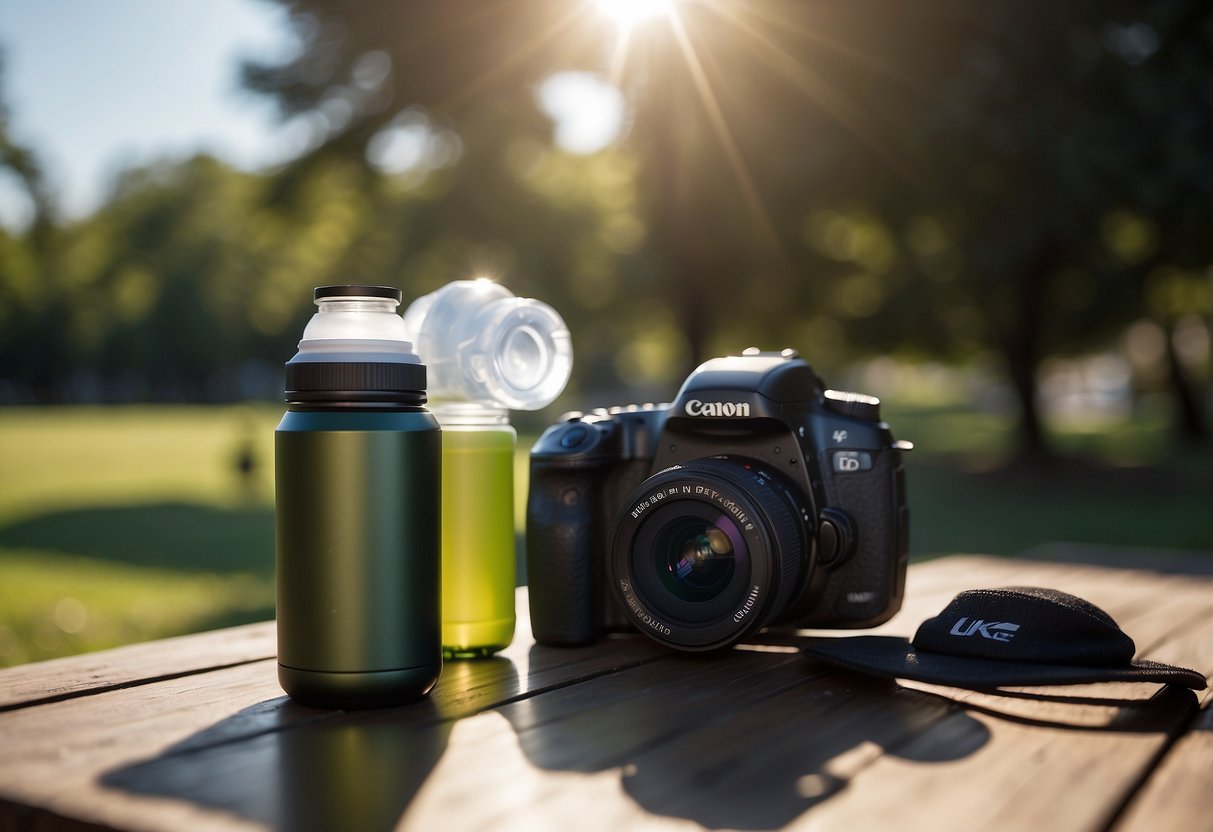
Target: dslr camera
(757, 498)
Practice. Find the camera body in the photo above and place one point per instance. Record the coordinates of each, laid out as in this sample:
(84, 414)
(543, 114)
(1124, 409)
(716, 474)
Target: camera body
(757, 498)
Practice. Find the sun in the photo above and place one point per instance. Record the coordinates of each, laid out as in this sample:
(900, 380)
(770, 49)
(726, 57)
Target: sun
(628, 13)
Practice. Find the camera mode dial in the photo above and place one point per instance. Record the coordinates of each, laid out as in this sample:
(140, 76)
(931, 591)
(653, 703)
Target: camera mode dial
(855, 405)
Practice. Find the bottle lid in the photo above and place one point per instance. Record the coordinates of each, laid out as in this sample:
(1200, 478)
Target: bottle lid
(358, 290)
(355, 381)
(356, 351)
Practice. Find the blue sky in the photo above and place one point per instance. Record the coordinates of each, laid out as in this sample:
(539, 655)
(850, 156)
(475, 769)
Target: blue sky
(96, 86)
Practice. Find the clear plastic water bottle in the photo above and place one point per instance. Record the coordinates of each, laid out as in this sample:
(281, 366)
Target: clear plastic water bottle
(358, 479)
(487, 352)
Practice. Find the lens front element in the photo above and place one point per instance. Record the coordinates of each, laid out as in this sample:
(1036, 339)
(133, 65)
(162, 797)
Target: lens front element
(700, 561)
(703, 553)
(692, 559)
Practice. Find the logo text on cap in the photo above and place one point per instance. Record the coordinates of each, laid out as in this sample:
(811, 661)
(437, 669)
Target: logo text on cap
(995, 630)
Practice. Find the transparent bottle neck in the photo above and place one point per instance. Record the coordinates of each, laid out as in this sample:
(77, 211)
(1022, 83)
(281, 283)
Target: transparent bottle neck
(356, 328)
(356, 304)
(469, 414)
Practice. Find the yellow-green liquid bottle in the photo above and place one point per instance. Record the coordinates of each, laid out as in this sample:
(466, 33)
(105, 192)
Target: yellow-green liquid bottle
(478, 546)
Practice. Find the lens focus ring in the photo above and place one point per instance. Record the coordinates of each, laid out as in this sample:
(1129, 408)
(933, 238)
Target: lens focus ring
(785, 528)
(735, 592)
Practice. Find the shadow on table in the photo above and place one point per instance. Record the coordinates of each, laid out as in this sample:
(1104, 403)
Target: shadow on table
(1125, 707)
(292, 767)
(724, 753)
(750, 740)
(305, 769)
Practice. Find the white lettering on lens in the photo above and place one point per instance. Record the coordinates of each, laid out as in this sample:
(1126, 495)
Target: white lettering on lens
(745, 608)
(697, 408)
(640, 612)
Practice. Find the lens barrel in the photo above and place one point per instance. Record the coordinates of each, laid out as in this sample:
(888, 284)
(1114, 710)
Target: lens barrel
(705, 553)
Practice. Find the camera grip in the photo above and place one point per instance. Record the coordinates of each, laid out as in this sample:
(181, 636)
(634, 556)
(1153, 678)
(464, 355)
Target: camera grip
(870, 586)
(563, 552)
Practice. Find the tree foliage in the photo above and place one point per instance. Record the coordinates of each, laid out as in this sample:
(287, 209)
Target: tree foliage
(939, 179)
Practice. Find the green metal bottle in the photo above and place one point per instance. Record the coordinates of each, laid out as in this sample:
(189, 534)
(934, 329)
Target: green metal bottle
(358, 484)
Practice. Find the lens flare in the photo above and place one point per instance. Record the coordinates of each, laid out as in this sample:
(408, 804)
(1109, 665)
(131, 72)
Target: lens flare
(628, 13)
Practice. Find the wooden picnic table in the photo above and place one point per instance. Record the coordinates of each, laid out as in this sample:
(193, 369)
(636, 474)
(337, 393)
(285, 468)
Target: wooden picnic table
(193, 733)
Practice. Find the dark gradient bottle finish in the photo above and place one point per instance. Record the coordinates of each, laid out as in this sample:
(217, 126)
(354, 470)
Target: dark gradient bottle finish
(358, 466)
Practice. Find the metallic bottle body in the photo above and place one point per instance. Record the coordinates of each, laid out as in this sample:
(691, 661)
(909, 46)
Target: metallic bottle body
(358, 556)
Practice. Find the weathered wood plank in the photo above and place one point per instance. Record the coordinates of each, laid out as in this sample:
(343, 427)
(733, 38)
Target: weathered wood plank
(135, 664)
(1047, 762)
(627, 735)
(379, 761)
(67, 757)
(756, 760)
(1027, 775)
(790, 758)
(1177, 795)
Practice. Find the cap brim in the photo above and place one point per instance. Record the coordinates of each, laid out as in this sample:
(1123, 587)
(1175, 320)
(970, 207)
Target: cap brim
(897, 658)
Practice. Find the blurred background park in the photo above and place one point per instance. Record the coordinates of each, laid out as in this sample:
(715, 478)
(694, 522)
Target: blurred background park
(994, 216)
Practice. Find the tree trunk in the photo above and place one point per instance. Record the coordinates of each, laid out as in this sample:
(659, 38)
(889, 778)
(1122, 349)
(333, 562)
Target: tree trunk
(1030, 435)
(1022, 352)
(1191, 427)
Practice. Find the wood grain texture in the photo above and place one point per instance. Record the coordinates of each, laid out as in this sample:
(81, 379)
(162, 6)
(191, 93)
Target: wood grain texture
(1179, 793)
(1064, 758)
(136, 664)
(624, 734)
(188, 752)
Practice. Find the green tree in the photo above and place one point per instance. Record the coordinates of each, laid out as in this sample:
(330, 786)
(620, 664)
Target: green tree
(27, 267)
(943, 179)
(869, 177)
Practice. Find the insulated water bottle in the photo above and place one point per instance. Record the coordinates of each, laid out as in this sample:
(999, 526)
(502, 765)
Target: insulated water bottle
(358, 483)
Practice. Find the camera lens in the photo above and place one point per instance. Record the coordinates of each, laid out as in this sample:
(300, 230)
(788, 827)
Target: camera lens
(698, 559)
(703, 553)
(694, 558)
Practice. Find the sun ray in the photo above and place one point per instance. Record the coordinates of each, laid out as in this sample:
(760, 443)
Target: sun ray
(575, 13)
(734, 13)
(619, 58)
(844, 111)
(725, 136)
(627, 14)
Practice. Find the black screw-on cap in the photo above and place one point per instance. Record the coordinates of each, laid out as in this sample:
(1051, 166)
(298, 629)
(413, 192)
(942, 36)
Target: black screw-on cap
(355, 381)
(358, 290)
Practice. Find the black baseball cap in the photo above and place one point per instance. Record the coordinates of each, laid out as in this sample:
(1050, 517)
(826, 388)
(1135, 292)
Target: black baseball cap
(991, 638)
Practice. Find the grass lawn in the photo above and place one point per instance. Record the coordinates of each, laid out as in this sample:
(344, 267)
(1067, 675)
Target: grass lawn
(1119, 484)
(130, 523)
(125, 524)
